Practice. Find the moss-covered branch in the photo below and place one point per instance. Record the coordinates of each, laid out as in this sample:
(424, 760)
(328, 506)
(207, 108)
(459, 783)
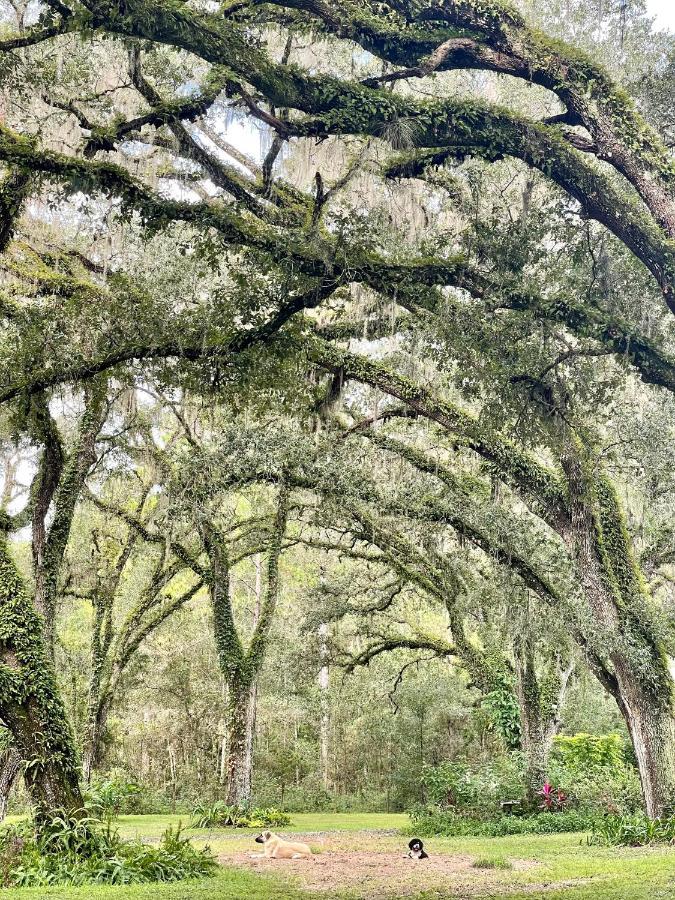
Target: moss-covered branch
(335, 106)
(539, 484)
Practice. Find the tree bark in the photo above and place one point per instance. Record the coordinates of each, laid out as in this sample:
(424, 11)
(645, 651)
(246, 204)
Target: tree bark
(92, 746)
(324, 728)
(241, 732)
(540, 699)
(240, 668)
(10, 765)
(651, 725)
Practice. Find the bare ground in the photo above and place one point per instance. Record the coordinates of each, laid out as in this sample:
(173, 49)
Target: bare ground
(376, 874)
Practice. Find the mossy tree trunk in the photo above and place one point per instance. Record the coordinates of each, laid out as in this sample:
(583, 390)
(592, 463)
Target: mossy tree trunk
(30, 706)
(57, 485)
(111, 653)
(91, 752)
(636, 668)
(242, 708)
(241, 666)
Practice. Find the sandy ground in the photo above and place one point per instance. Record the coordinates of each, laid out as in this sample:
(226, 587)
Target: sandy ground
(375, 874)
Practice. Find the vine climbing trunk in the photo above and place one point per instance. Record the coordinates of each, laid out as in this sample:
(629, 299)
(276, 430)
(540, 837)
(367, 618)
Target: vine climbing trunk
(241, 666)
(240, 736)
(92, 744)
(627, 633)
(30, 705)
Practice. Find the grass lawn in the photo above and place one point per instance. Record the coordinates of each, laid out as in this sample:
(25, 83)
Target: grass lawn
(360, 856)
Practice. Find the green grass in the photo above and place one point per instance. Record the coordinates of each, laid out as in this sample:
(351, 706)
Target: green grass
(492, 862)
(148, 826)
(555, 867)
(230, 885)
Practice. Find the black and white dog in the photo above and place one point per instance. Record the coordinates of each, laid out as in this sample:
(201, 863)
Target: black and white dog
(417, 850)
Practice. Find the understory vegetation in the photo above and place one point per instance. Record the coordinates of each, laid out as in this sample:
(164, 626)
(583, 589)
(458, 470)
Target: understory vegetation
(220, 815)
(86, 851)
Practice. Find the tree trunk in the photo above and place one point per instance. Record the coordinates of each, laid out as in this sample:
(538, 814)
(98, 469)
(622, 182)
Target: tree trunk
(30, 706)
(10, 765)
(540, 700)
(241, 732)
(628, 649)
(240, 668)
(92, 745)
(651, 724)
(324, 728)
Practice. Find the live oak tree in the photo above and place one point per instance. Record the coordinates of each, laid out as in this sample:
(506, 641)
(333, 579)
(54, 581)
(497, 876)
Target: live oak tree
(604, 161)
(135, 584)
(31, 710)
(199, 525)
(518, 659)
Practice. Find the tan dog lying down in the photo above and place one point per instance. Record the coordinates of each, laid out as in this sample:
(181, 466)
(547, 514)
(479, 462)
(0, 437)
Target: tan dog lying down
(278, 848)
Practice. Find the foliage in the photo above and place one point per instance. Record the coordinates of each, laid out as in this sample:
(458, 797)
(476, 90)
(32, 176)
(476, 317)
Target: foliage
(595, 772)
(480, 789)
(636, 830)
(82, 851)
(429, 821)
(581, 752)
(452, 528)
(220, 815)
(504, 711)
(552, 798)
(114, 795)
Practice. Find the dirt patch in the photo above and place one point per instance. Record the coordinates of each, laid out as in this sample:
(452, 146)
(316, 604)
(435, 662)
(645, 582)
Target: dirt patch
(375, 874)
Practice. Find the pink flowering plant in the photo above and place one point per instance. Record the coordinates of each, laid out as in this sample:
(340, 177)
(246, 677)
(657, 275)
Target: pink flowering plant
(552, 798)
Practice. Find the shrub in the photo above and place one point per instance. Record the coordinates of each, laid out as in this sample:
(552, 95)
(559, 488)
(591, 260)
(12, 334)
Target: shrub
(113, 796)
(633, 831)
(613, 790)
(582, 752)
(429, 822)
(82, 851)
(553, 798)
(220, 815)
(480, 789)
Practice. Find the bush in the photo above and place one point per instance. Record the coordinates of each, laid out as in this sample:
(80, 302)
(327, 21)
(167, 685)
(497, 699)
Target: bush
(83, 851)
(633, 831)
(113, 796)
(581, 752)
(479, 789)
(220, 815)
(116, 793)
(590, 775)
(430, 822)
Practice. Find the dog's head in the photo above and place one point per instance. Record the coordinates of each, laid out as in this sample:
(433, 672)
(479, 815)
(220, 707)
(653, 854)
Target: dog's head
(416, 845)
(263, 837)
